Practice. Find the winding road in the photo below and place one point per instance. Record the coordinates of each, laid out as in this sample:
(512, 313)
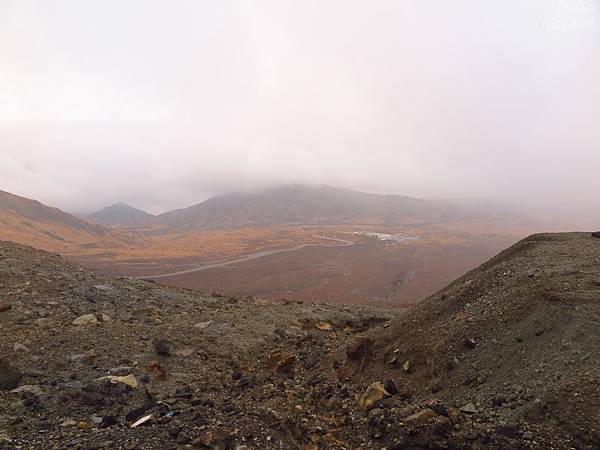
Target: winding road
(342, 243)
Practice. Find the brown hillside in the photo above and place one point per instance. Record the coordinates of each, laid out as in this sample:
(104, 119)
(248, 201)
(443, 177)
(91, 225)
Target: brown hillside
(33, 223)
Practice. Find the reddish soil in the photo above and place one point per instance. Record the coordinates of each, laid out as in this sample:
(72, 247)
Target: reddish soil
(368, 272)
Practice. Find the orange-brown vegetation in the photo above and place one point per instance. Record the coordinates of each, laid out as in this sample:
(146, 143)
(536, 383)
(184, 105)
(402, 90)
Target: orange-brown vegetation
(334, 263)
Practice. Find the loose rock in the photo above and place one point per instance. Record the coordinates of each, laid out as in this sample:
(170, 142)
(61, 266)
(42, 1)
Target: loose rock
(373, 393)
(9, 376)
(86, 319)
(421, 417)
(162, 346)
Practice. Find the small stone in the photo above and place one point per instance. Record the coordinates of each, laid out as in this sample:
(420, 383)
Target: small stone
(204, 325)
(9, 376)
(43, 322)
(390, 387)
(142, 421)
(96, 420)
(162, 346)
(469, 408)
(184, 392)
(4, 307)
(373, 393)
(156, 370)
(120, 371)
(406, 366)
(78, 358)
(375, 412)
(324, 326)
(528, 435)
(29, 388)
(184, 352)
(73, 385)
(86, 319)
(20, 348)
(406, 411)
(129, 380)
(470, 343)
(421, 417)
(282, 362)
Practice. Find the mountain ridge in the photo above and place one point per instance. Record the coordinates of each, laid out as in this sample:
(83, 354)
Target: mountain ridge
(302, 205)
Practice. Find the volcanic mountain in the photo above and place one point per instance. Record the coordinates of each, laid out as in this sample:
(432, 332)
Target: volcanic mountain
(31, 222)
(318, 205)
(123, 215)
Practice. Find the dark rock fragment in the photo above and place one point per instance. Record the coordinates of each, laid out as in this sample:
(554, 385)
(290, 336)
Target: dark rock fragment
(357, 356)
(9, 376)
(162, 346)
(390, 387)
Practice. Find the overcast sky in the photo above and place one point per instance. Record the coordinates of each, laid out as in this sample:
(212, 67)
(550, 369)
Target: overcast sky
(163, 103)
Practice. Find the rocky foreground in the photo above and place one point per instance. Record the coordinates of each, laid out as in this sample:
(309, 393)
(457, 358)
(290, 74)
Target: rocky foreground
(505, 357)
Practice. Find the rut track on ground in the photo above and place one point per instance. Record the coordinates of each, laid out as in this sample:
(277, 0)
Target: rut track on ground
(251, 256)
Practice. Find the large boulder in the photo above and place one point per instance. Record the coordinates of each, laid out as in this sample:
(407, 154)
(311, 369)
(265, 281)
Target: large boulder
(9, 376)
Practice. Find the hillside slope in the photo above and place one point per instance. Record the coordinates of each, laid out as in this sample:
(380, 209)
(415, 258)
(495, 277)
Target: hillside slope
(33, 223)
(517, 338)
(213, 371)
(316, 205)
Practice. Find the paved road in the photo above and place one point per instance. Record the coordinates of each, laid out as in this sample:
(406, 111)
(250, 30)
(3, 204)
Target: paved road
(341, 243)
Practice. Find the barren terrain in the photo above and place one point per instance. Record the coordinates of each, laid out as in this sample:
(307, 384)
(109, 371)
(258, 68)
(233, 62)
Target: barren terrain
(348, 263)
(505, 357)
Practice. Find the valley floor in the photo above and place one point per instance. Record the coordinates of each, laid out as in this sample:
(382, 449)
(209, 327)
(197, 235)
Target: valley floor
(313, 267)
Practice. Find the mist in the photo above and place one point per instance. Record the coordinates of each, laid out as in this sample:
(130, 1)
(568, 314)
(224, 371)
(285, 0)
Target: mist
(163, 104)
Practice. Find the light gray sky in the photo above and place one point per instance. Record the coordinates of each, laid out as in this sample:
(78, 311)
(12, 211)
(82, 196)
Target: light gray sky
(163, 103)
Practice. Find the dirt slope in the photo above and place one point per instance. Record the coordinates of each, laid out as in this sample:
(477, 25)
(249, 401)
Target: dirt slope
(519, 338)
